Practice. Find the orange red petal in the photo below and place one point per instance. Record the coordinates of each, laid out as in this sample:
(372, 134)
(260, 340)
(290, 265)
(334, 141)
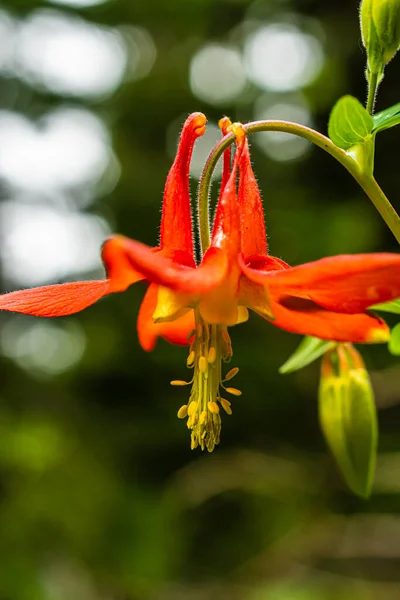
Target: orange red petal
(176, 332)
(176, 220)
(252, 223)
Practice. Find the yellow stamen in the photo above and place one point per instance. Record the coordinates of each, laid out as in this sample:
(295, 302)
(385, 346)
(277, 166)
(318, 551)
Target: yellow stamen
(203, 364)
(231, 374)
(226, 336)
(212, 355)
(179, 382)
(226, 405)
(213, 407)
(233, 391)
(211, 345)
(182, 412)
(203, 419)
(227, 345)
(192, 408)
(190, 359)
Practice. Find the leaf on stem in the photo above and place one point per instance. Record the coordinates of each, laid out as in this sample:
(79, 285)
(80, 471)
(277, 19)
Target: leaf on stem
(390, 307)
(309, 349)
(394, 342)
(349, 123)
(387, 118)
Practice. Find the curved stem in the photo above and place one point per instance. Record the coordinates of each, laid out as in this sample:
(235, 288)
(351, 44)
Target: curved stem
(366, 181)
(381, 203)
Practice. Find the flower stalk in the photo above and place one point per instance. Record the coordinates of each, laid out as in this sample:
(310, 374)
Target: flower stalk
(365, 179)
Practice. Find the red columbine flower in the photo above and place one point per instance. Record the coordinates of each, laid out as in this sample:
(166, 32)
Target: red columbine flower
(326, 298)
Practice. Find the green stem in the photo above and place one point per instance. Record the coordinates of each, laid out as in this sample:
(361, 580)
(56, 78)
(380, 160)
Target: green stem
(366, 181)
(381, 203)
(372, 89)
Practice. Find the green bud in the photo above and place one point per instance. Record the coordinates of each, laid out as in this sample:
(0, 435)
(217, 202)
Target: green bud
(380, 30)
(348, 416)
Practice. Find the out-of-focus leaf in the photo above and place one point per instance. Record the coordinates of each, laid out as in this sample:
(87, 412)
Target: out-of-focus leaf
(387, 118)
(394, 342)
(391, 307)
(309, 349)
(349, 123)
(348, 419)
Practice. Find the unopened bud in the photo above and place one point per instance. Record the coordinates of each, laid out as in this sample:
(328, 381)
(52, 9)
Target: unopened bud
(380, 30)
(348, 416)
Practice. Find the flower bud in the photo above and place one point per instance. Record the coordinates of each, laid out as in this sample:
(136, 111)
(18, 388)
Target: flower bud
(380, 30)
(348, 416)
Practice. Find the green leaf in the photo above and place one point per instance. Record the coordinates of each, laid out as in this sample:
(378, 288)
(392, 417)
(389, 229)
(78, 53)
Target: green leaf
(348, 419)
(349, 123)
(391, 307)
(394, 342)
(387, 118)
(309, 349)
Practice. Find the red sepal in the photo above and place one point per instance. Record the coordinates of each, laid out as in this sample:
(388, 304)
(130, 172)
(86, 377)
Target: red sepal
(346, 283)
(163, 270)
(55, 300)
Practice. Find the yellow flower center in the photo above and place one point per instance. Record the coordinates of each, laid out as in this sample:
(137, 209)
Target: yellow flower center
(211, 345)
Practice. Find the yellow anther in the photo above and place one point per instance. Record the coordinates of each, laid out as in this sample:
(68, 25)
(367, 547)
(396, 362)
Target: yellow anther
(203, 417)
(190, 359)
(227, 345)
(212, 355)
(216, 418)
(226, 405)
(182, 412)
(225, 336)
(233, 391)
(179, 382)
(192, 408)
(231, 374)
(213, 408)
(194, 442)
(203, 364)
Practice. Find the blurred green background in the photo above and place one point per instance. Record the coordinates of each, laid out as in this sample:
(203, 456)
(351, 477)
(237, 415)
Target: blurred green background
(101, 497)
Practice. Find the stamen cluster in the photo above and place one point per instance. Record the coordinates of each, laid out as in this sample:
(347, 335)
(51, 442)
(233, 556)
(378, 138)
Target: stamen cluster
(210, 346)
